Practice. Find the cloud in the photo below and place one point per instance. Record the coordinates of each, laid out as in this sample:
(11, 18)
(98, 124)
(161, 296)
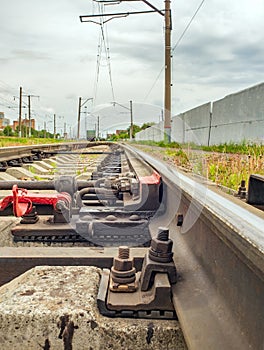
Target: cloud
(46, 49)
(29, 55)
(4, 60)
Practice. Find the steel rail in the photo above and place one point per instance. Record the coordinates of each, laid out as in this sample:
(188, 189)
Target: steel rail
(219, 253)
(9, 153)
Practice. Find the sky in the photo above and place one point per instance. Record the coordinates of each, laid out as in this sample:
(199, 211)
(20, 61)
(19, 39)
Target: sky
(47, 50)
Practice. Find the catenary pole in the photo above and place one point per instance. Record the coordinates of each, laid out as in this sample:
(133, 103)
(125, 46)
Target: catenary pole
(168, 29)
(20, 113)
(131, 121)
(79, 118)
(29, 113)
(167, 95)
(29, 116)
(54, 126)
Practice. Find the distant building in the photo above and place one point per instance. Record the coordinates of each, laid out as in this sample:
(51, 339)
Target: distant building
(118, 132)
(24, 122)
(3, 121)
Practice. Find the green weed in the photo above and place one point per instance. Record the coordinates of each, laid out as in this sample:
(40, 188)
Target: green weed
(226, 164)
(18, 141)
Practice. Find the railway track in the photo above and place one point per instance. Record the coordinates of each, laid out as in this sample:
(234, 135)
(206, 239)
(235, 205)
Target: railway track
(128, 198)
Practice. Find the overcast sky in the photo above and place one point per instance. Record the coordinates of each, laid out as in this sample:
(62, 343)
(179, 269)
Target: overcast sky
(47, 50)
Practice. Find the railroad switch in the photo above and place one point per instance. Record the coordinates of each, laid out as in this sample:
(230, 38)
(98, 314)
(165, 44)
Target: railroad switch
(123, 292)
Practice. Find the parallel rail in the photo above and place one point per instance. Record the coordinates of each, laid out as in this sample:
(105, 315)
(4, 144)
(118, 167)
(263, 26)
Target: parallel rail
(11, 153)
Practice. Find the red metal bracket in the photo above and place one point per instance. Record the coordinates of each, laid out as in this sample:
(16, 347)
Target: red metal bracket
(23, 200)
(153, 179)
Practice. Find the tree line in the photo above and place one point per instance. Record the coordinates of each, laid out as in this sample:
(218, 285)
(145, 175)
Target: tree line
(8, 131)
(126, 133)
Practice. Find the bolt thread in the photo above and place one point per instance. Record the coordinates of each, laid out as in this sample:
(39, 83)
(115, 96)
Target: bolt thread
(163, 234)
(123, 252)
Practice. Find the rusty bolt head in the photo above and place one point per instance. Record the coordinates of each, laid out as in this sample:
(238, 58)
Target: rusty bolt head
(123, 264)
(123, 261)
(123, 271)
(161, 246)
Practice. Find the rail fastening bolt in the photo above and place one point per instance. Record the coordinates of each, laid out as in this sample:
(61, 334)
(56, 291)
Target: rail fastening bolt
(242, 191)
(163, 234)
(161, 246)
(123, 252)
(123, 270)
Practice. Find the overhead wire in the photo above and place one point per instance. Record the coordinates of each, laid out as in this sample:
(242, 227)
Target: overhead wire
(174, 47)
(7, 86)
(103, 46)
(8, 89)
(6, 99)
(154, 84)
(10, 104)
(188, 26)
(97, 72)
(98, 63)
(105, 38)
(5, 105)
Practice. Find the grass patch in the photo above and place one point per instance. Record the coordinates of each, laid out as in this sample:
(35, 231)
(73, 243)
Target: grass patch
(226, 164)
(39, 178)
(32, 169)
(230, 169)
(162, 144)
(244, 147)
(6, 141)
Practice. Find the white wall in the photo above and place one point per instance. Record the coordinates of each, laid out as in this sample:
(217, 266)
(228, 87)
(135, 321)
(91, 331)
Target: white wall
(235, 118)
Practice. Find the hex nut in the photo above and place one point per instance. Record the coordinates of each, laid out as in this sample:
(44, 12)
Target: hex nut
(161, 246)
(123, 264)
